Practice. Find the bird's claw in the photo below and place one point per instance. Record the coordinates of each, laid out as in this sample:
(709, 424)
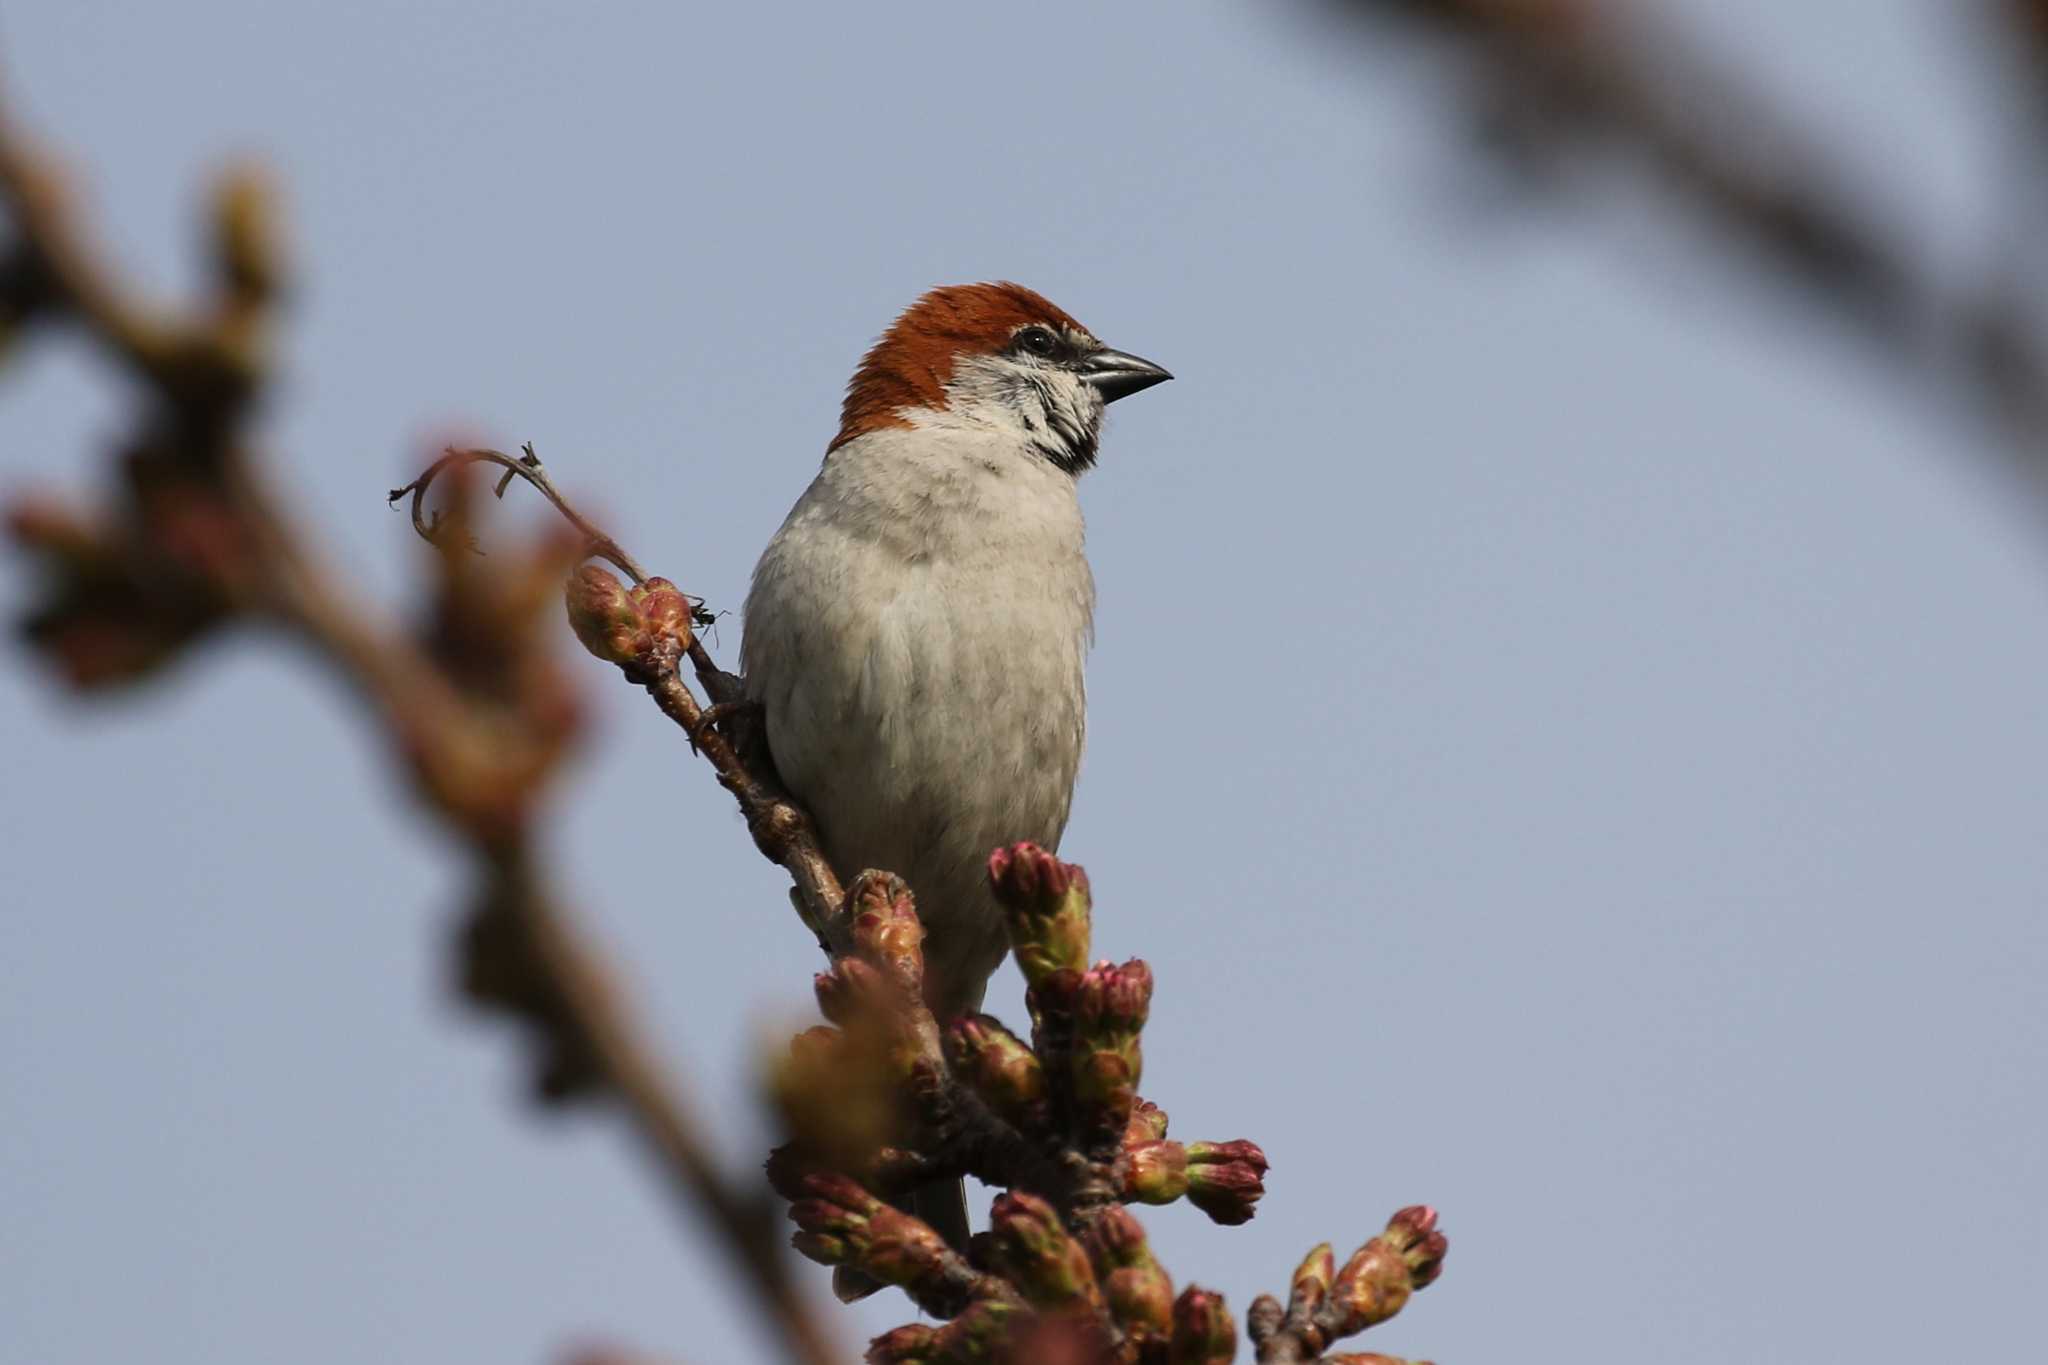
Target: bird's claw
(733, 719)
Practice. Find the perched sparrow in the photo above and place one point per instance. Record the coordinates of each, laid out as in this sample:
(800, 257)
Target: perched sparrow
(915, 630)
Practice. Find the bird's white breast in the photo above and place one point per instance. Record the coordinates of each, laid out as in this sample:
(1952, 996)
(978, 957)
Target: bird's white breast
(915, 633)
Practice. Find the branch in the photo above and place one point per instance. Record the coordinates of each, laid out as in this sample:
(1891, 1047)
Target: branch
(646, 631)
(473, 706)
(1563, 76)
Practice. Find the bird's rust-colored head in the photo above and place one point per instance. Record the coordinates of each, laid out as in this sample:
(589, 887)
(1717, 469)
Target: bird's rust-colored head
(916, 362)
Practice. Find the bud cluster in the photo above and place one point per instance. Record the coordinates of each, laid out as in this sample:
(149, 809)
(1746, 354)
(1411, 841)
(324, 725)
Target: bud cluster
(1064, 1271)
(629, 627)
(839, 1223)
(984, 1331)
(1204, 1333)
(122, 596)
(1327, 1302)
(1225, 1180)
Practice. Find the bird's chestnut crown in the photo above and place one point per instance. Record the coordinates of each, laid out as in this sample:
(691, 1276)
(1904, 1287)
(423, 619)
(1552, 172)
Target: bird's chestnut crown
(994, 355)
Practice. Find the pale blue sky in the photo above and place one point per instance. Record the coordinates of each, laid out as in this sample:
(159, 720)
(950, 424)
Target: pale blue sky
(1566, 729)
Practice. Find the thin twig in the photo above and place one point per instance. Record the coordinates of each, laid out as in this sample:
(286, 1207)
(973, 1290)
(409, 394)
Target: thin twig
(526, 466)
(722, 687)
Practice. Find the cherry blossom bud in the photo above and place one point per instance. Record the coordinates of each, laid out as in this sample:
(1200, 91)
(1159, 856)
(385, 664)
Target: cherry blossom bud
(885, 926)
(1139, 1291)
(1312, 1280)
(832, 1219)
(1225, 1179)
(1203, 1331)
(1110, 1010)
(665, 613)
(983, 1332)
(839, 1223)
(603, 616)
(1375, 1283)
(1047, 906)
(1413, 1232)
(1035, 1254)
(1155, 1172)
(915, 1344)
(852, 991)
(1000, 1067)
(1147, 1123)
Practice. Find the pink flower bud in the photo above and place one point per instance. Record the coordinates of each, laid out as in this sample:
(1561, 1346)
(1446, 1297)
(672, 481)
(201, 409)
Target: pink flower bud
(603, 616)
(915, 1344)
(1139, 1291)
(1110, 1009)
(1203, 1330)
(832, 1219)
(665, 612)
(1033, 1250)
(1046, 906)
(1155, 1172)
(1413, 1232)
(1225, 1179)
(985, 1331)
(1120, 1237)
(852, 990)
(1115, 1000)
(885, 926)
(901, 1248)
(1000, 1068)
(1147, 1123)
(1027, 872)
(1376, 1282)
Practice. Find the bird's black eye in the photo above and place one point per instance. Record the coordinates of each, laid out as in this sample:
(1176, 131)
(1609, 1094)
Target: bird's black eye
(1038, 341)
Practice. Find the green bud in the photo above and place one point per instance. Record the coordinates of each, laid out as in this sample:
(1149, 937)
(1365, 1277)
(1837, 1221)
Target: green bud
(1037, 1256)
(1139, 1291)
(1000, 1067)
(1155, 1172)
(1047, 909)
(603, 616)
(1203, 1331)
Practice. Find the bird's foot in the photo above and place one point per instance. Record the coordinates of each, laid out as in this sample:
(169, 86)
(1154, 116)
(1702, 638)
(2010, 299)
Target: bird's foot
(739, 721)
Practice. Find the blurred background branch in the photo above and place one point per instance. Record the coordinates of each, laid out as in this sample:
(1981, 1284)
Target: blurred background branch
(1559, 87)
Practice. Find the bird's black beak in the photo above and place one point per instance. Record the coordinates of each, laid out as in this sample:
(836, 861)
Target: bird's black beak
(1118, 375)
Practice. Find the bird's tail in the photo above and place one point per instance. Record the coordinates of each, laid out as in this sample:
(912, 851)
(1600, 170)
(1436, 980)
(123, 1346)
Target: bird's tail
(942, 1203)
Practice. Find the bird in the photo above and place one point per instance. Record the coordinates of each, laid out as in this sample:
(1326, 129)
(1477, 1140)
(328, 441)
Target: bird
(915, 632)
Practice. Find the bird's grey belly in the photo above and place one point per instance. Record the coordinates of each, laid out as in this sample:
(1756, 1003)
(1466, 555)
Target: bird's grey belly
(947, 735)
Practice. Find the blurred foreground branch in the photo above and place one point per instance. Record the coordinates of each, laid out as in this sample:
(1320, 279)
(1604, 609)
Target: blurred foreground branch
(470, 699)
(1558, 80)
